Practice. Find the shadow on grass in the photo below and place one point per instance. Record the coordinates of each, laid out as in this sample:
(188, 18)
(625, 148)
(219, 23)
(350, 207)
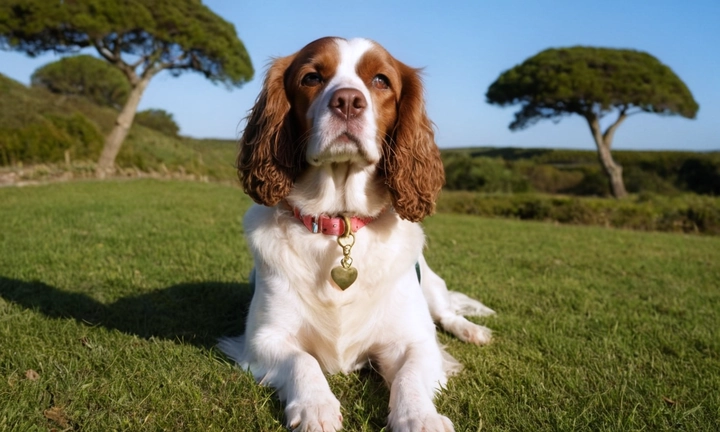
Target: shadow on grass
(195, 313)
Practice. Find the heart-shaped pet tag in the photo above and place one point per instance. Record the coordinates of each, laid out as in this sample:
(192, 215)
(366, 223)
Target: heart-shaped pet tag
(344, 277)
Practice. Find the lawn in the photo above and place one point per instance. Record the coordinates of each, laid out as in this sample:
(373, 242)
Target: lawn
(112, 295)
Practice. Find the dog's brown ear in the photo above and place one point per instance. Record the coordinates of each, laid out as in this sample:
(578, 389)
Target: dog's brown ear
(267, 161)
(413, 168)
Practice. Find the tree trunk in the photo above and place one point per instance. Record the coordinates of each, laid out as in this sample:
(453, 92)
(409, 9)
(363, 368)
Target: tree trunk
(113, 142)
(613, 171)
(603, 142)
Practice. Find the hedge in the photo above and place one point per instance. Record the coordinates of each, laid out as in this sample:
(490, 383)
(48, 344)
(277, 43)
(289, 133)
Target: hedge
(577, 172)
(650, 212)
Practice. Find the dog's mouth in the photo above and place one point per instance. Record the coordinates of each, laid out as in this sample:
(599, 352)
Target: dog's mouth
(347, 137)
(345, 147)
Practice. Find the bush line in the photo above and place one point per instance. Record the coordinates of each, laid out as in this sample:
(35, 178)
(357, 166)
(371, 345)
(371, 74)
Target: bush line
(649, 212)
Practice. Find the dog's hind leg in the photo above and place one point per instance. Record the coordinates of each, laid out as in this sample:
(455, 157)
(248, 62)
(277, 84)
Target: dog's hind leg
(448, 307)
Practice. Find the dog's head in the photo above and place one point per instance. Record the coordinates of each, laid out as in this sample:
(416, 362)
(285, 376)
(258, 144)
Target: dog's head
(342, 101)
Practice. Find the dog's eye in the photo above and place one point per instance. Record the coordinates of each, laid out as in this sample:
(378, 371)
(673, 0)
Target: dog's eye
(381, 82)
(312, 79)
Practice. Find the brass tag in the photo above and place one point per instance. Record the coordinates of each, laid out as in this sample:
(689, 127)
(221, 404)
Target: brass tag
(344, 277)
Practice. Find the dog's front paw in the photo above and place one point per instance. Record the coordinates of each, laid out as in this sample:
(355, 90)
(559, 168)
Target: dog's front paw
(318, 415)
(430, 422)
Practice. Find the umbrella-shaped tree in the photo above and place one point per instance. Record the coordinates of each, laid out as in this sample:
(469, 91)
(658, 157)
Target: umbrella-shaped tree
(139, 37)
(592, 83)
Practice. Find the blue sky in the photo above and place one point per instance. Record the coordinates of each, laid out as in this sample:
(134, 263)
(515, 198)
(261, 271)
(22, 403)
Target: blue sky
(463, 46)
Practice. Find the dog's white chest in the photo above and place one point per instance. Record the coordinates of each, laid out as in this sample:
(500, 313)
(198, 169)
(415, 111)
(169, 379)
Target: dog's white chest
(340, 338)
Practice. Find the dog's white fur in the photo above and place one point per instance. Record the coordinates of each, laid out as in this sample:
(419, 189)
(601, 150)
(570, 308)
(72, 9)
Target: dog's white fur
(301, 326)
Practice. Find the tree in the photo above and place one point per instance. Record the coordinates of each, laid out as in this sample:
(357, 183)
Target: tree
(139, 37)
(85, 76)
(592, 82)
(159, 120)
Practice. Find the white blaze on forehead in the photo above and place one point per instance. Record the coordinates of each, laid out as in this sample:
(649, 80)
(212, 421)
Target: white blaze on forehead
(351, 51)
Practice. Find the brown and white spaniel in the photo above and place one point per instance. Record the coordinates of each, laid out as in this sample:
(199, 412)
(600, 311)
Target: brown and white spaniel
(340, 157)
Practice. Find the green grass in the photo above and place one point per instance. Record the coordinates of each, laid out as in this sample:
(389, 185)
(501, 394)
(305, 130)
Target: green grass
(114, 293)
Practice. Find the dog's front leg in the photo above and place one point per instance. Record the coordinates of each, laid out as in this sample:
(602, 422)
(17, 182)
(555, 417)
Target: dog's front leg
(419, 374)
(277, 359)
(310, 405)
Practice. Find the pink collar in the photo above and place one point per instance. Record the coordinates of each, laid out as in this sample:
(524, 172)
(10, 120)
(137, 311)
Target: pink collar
(334, 226)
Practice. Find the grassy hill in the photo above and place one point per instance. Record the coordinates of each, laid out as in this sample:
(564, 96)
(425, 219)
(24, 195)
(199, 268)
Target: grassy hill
(112, 295)
(37, 126)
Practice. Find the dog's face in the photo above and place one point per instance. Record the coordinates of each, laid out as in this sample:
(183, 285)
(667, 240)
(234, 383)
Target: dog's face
(342, 101)
(345, 96)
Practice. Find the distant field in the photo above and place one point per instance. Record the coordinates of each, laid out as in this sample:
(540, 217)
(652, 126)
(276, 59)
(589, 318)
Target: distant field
(112, 295)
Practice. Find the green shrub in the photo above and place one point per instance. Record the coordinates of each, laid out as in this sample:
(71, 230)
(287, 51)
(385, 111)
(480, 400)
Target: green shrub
(547, 178)
(594, 183)
(578, 172)
(683, 213)
(639, 180)
(48, 139)
(160, 120)
(463, 172)
(701, 175)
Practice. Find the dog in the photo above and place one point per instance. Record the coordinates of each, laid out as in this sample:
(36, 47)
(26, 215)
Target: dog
(340, 157)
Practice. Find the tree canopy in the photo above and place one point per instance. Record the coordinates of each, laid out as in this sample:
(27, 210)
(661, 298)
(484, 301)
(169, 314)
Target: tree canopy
(85, 76)
(178, 35)
(581, 80)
